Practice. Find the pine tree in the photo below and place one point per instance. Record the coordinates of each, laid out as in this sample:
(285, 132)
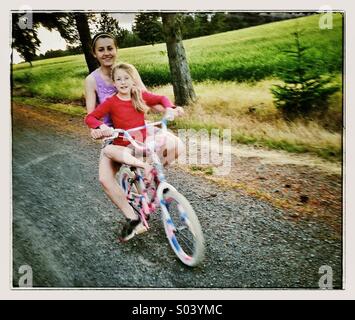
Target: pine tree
(305, 91)
(106, 23)
(148, 27)
(188, 25)
(218, 22)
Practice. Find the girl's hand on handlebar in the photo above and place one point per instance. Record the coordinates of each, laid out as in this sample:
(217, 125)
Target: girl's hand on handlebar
(179, 111)
(106, 131)
(96, 133)
(171, 113)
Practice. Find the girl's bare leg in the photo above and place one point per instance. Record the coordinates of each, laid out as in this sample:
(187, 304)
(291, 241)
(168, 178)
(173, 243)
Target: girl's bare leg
(107, 177)
(124, 155)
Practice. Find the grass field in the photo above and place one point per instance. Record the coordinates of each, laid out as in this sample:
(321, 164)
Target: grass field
(241, 55)
(232, 75)
(247, 108)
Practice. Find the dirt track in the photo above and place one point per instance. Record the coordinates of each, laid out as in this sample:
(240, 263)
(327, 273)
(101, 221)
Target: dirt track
(65, 228)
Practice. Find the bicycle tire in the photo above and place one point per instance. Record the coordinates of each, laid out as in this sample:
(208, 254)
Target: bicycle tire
(182, 227)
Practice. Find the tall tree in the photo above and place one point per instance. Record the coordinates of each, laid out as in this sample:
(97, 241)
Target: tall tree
(218, 22)
(82, 24)
(148, 27)
(188, 26)
(24, 40)
(63, 22)
(73, 27)
(179, 69)
(203, 24)
(106, 23)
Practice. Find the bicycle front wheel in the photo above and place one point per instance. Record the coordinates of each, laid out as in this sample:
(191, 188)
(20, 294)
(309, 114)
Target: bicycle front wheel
(182, 228)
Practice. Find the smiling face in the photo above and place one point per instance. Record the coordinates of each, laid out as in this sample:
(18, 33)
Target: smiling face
(105, 51)
(123, 82)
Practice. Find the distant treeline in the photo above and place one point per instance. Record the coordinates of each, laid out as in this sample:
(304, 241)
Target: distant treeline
(59, 53)
(202, 24)
(147, 27)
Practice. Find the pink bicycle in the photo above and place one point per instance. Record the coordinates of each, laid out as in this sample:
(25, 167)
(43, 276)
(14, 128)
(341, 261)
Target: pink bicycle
(181, 224)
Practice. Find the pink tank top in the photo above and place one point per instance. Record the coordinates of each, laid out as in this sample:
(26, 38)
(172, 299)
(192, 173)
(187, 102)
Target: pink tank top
(103, 91)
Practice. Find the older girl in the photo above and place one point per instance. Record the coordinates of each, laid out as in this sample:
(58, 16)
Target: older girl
(99, 86)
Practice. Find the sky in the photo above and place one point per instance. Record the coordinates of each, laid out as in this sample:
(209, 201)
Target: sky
(51, 40)
(125, 19)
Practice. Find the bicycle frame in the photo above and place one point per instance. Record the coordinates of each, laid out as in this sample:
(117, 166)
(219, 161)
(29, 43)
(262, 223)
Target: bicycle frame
(147, 206)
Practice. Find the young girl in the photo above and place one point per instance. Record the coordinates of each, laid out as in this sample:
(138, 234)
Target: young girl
(126, 110)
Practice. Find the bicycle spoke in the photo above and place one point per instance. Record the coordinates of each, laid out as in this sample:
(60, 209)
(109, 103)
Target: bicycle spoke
(183, 235)
(181, 228)
(186, 242)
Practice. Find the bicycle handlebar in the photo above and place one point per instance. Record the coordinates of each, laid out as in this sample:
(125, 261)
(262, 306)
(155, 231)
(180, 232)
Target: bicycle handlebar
(126, 133)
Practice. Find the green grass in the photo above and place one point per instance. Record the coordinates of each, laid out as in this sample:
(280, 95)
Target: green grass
(208, 170)
(243, 55)
(58, 79)
(64, 108)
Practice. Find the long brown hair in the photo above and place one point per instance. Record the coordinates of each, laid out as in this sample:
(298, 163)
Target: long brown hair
(136, 91)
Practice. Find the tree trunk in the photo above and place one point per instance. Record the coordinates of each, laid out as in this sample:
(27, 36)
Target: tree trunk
(85, 39)
(179, 69)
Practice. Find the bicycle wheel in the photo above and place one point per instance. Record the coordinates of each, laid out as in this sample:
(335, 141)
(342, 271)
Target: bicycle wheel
(182, 228)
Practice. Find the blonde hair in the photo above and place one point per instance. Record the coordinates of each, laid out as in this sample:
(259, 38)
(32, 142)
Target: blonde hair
(136, 91)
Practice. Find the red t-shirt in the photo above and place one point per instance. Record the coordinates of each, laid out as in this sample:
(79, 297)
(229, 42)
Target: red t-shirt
(124, 115)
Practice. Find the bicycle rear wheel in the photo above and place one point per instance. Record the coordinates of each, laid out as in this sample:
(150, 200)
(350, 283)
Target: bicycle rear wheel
(182, 228)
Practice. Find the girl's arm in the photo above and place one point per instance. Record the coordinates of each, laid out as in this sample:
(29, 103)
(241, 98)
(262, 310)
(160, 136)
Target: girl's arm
(158, 108)
(90, 99)
(90, 93)
(161, 103)
(93, 118)
(152, 99)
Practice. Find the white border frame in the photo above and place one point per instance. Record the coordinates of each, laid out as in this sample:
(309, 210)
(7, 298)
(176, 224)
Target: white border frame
(206, 5)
